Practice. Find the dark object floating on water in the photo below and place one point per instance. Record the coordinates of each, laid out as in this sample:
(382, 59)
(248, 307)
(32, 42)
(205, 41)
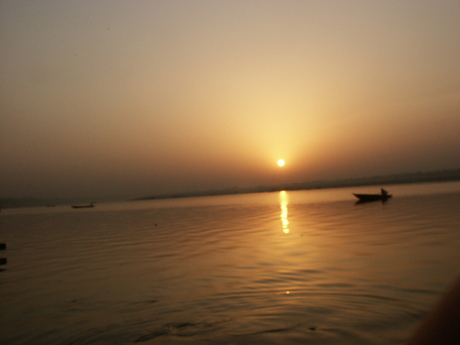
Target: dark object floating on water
(2, 246)
(383, 196)
(3, 261)
(83, 206)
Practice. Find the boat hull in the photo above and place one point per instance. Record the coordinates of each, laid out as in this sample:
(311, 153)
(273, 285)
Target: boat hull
(372, 197)
(82, 206)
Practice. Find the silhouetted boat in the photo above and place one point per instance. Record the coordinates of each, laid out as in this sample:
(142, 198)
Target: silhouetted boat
(83, 206)
(383, 196)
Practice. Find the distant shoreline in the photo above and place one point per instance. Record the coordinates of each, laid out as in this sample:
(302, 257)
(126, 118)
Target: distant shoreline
(406, 178)
(415, 177)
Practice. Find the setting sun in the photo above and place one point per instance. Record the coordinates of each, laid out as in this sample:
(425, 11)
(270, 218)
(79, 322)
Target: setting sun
(281, 162)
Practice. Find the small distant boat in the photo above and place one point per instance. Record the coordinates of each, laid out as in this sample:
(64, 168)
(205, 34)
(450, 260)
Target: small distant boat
(383, 196)
(83, 206)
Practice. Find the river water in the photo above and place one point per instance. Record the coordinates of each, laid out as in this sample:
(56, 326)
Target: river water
(297, 267)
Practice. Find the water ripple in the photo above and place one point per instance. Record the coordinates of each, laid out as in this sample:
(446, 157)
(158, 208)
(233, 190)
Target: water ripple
(227, 271)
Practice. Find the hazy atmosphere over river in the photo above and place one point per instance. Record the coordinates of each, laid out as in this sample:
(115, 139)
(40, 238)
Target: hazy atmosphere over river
(118, 100)
(135, 98)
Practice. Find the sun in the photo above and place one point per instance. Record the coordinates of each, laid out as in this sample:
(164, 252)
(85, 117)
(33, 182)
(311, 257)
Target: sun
(281, 163)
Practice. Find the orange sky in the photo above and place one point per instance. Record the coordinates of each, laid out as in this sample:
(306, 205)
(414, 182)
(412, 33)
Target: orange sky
(147, 97)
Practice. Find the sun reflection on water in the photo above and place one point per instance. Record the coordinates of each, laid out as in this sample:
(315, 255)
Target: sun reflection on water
(284, 201)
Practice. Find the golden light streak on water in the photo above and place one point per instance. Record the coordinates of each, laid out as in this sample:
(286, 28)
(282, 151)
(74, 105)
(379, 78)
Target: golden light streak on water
(284, 201)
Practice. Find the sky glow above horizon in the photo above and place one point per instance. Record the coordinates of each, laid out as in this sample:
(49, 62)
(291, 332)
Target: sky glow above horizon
(150, 97)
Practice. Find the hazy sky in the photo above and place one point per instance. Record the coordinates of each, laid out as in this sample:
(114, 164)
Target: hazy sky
(135, 98)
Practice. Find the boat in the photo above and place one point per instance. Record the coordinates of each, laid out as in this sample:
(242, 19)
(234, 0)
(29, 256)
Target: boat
(383, 196)
(83, 206)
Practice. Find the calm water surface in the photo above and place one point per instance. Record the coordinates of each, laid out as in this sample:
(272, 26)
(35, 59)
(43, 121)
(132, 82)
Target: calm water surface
(306, 267)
